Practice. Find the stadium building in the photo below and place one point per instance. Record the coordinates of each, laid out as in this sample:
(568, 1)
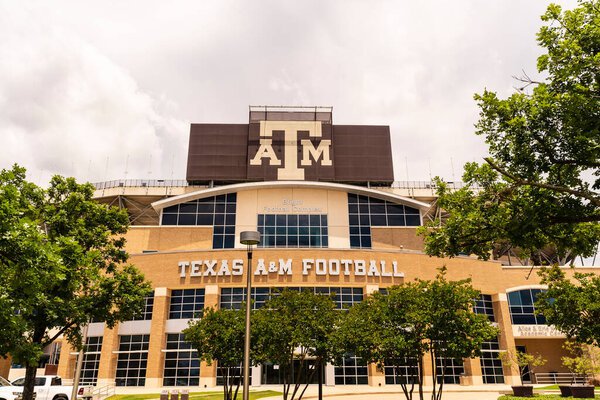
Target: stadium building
(332, 219)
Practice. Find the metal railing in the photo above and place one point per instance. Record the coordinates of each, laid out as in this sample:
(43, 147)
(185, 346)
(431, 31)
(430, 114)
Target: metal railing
(559, 377)
(183, 183)
(102, 392)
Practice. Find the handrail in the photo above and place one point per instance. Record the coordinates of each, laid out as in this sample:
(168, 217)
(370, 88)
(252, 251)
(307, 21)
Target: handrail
(559, 377)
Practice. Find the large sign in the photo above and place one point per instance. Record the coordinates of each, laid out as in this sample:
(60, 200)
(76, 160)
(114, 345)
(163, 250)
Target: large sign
(536, 331)
(295, 147)
(308, 266)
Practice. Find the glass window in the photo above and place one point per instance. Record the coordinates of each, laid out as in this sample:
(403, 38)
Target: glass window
(484, 305)
(132, 361)
(91, 360)
(453, 368)
(344, 297)
(352, 371)
(147, 311)
(491, 365)
(522, 308)
(293, 230)
(186, 303)
(365, 212)
(404, 372)
(182, 365)
(218, 212)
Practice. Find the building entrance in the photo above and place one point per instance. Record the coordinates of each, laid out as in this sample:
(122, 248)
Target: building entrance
(273, 374)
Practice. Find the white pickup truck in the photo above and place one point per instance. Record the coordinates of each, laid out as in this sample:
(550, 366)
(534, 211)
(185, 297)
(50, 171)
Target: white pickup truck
(47, 387)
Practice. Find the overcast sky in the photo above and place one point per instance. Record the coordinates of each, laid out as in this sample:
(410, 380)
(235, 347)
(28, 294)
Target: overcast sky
(106, 90)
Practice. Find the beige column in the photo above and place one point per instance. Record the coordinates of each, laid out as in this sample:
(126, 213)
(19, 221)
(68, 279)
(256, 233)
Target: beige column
(67, 360)
(427, 369)
(5, 366)
(208, 373)
(108, 359)
(472, 374)
(156, 361)
(506, 338)
(376, 376)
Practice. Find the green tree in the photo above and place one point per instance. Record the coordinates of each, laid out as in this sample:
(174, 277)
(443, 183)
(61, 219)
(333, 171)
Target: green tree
(454, 331)
(296, 325)
(219, 336)
(62, 264)
(538, 189)
(583, 359)
(571, 307)
(415, 320)
(389, 330)
(527, 363)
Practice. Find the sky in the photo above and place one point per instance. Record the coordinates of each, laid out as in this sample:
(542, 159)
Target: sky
(107, 90)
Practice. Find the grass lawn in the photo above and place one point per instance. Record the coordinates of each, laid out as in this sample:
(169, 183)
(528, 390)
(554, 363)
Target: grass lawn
(195, 395)
(538, 396)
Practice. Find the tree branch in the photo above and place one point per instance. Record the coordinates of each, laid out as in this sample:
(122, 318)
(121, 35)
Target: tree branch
(60, 332)
(525, 182)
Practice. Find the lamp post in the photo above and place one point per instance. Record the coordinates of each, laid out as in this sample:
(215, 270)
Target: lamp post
(249, 238)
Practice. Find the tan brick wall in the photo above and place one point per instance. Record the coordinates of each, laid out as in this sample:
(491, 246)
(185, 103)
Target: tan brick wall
(396, 238)
(168, 238)
(550, 349)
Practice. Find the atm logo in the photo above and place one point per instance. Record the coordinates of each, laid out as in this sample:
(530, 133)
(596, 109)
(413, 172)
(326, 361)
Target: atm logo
(289, 130)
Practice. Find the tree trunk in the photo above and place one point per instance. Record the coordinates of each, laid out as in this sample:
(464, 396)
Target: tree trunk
(320, 380)
(28, 387)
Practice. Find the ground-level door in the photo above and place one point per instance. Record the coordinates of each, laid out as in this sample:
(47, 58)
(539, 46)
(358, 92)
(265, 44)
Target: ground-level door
(273, 374)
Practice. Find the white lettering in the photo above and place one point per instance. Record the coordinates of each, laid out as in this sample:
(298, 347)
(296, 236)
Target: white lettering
(272, 267)
(182, 266)
(373, 271)
(237, 267)
(346, 264)
(285, 267)
(360, 267)
(321, 150)
(306, 265)
(265, 150)
(334, 267)
(224, 270)
(210, 267)
(195, 269)
(397, 274)
(383, 273)
(320, 266)
(260, 268)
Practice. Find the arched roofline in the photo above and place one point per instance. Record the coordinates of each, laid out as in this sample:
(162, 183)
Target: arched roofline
(525, 287)
(239, 187)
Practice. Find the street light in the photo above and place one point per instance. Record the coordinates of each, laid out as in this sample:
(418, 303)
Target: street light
(249, 238)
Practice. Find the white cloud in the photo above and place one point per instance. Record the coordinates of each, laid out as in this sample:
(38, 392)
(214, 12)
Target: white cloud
(81, 81)
(66, 107)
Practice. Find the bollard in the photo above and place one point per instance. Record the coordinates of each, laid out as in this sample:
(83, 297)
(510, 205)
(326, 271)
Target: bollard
(164, 395)
(174, 395)
(184, 395)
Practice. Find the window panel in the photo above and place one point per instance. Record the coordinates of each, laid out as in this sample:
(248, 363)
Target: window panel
(131, 367)
(304, 231)
(181, 366)
(186, 303)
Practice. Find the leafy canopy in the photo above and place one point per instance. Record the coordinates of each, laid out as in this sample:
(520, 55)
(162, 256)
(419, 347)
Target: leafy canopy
(539, 187)
(412, 320)
(296, 325)
(62, 264)
(572, 307)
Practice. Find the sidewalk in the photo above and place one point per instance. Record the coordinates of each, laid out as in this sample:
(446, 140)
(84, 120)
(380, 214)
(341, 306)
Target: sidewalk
(356, 392)
(394, 392)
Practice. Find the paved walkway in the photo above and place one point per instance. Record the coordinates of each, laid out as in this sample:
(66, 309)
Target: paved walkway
(487, 392)
(360, 392)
